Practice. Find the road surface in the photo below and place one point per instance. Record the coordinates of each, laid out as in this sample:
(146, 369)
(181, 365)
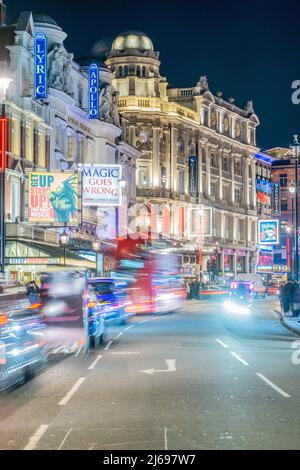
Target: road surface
(173, 382)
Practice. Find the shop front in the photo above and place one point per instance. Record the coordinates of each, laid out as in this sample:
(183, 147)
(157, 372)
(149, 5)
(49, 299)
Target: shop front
(24, 260)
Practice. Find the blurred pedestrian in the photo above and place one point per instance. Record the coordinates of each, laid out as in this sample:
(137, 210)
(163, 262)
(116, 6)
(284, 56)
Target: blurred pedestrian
(32, 292)
(287, 297)
(296, 299)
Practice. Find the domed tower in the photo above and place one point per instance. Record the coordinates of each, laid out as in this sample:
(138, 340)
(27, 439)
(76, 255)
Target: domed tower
(45, 24)
(135, 65)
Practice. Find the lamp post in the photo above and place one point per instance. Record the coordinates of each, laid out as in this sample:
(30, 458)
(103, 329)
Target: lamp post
(4, 84)
(295, 146)
(292, 191)
(64, 238)
(97, 248)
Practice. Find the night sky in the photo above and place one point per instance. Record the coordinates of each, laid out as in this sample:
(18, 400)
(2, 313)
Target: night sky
(247, 49)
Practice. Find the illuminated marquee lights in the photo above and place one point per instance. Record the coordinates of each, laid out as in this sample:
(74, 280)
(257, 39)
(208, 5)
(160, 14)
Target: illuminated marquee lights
(40, 66)
(93, 92)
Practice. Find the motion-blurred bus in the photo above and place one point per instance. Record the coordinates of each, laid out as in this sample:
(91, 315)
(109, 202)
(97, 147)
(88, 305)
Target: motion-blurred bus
(157, 286)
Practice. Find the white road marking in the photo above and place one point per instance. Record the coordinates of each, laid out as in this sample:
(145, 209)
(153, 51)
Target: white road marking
(71, 392)
(222, 344)
(120, 334)
(65, 438)
(239, 358)
(279, 390)
(108, 346)
(92, 366)
(79, 351)
(128, 327)
(35, 438)
(171, 364)
(166, 438)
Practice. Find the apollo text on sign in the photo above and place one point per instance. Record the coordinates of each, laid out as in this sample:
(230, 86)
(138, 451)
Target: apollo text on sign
(40, 66)
(93, 92)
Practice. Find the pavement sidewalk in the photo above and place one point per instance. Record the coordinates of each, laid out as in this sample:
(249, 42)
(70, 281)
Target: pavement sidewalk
(286, 320)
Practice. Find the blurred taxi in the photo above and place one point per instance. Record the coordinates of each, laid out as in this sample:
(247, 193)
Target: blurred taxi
(23, 346)
(110, 297)
(213, 292)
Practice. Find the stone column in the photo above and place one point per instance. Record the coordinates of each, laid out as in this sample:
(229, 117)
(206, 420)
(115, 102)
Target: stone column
(232, 179)
(132, 137)
(208, 173)
(247, 262)
(199, 156)
(234, 263)
(246, 195)
(173, 182)
(253, 170)
(220, 166)
(155, 159)
(167, 158)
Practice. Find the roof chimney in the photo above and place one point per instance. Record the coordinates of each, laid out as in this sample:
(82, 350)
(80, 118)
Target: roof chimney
(2, 13)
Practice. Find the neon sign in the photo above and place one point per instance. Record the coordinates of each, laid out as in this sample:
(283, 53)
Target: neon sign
(93, 92)
(40, 66)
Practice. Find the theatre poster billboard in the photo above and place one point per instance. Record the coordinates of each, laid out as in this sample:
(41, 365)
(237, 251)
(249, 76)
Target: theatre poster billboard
(53, 198)
(101, 185)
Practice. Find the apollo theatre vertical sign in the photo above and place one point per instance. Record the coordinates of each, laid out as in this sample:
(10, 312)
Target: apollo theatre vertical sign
(93, 92)
(40, 66)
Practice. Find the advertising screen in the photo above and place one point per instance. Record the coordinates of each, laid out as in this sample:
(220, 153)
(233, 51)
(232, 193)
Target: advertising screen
(268, 232)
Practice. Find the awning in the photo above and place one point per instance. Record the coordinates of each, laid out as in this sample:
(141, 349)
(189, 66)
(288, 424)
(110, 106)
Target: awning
(48, 256)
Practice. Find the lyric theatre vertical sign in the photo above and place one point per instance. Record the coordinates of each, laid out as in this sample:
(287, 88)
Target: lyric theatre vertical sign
(93, 92)
(40, 66)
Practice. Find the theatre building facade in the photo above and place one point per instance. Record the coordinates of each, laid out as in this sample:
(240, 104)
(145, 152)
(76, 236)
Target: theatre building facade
(196, 175)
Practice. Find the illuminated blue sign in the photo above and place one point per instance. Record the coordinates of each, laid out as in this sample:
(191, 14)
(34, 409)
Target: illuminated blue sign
(276, 198)
(264, 186)
(93, 92)
(40, 66)
(192, 174)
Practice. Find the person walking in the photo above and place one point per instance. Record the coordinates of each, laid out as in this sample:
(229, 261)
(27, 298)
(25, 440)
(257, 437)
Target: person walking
(287, 297)
(32, 292)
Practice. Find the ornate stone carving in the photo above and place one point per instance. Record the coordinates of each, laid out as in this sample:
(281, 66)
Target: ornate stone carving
(249, 107)
(60, 69)
(109, 105)
(203, 83)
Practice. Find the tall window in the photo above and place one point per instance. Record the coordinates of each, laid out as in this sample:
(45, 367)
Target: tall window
(143, 176)
(126, 71)
(283, 180)
(15, 136)
(120, 72)
(42, 151)
(181, 182)
(284, 204)
(241, 229)
(143, 71)
(70, 146)
(29, 143)
(138, 70)
(237, 195)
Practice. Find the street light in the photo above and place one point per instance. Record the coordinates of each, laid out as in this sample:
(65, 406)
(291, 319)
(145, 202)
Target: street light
(292, 191)
(64, 238)
(295, 148)
(97, 248)
(4, 84)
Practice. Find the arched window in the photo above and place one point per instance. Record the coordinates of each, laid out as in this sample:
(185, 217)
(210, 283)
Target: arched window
(126, 71)
(80, 95)
(143, 71)
(138, 70)
(120, 71)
